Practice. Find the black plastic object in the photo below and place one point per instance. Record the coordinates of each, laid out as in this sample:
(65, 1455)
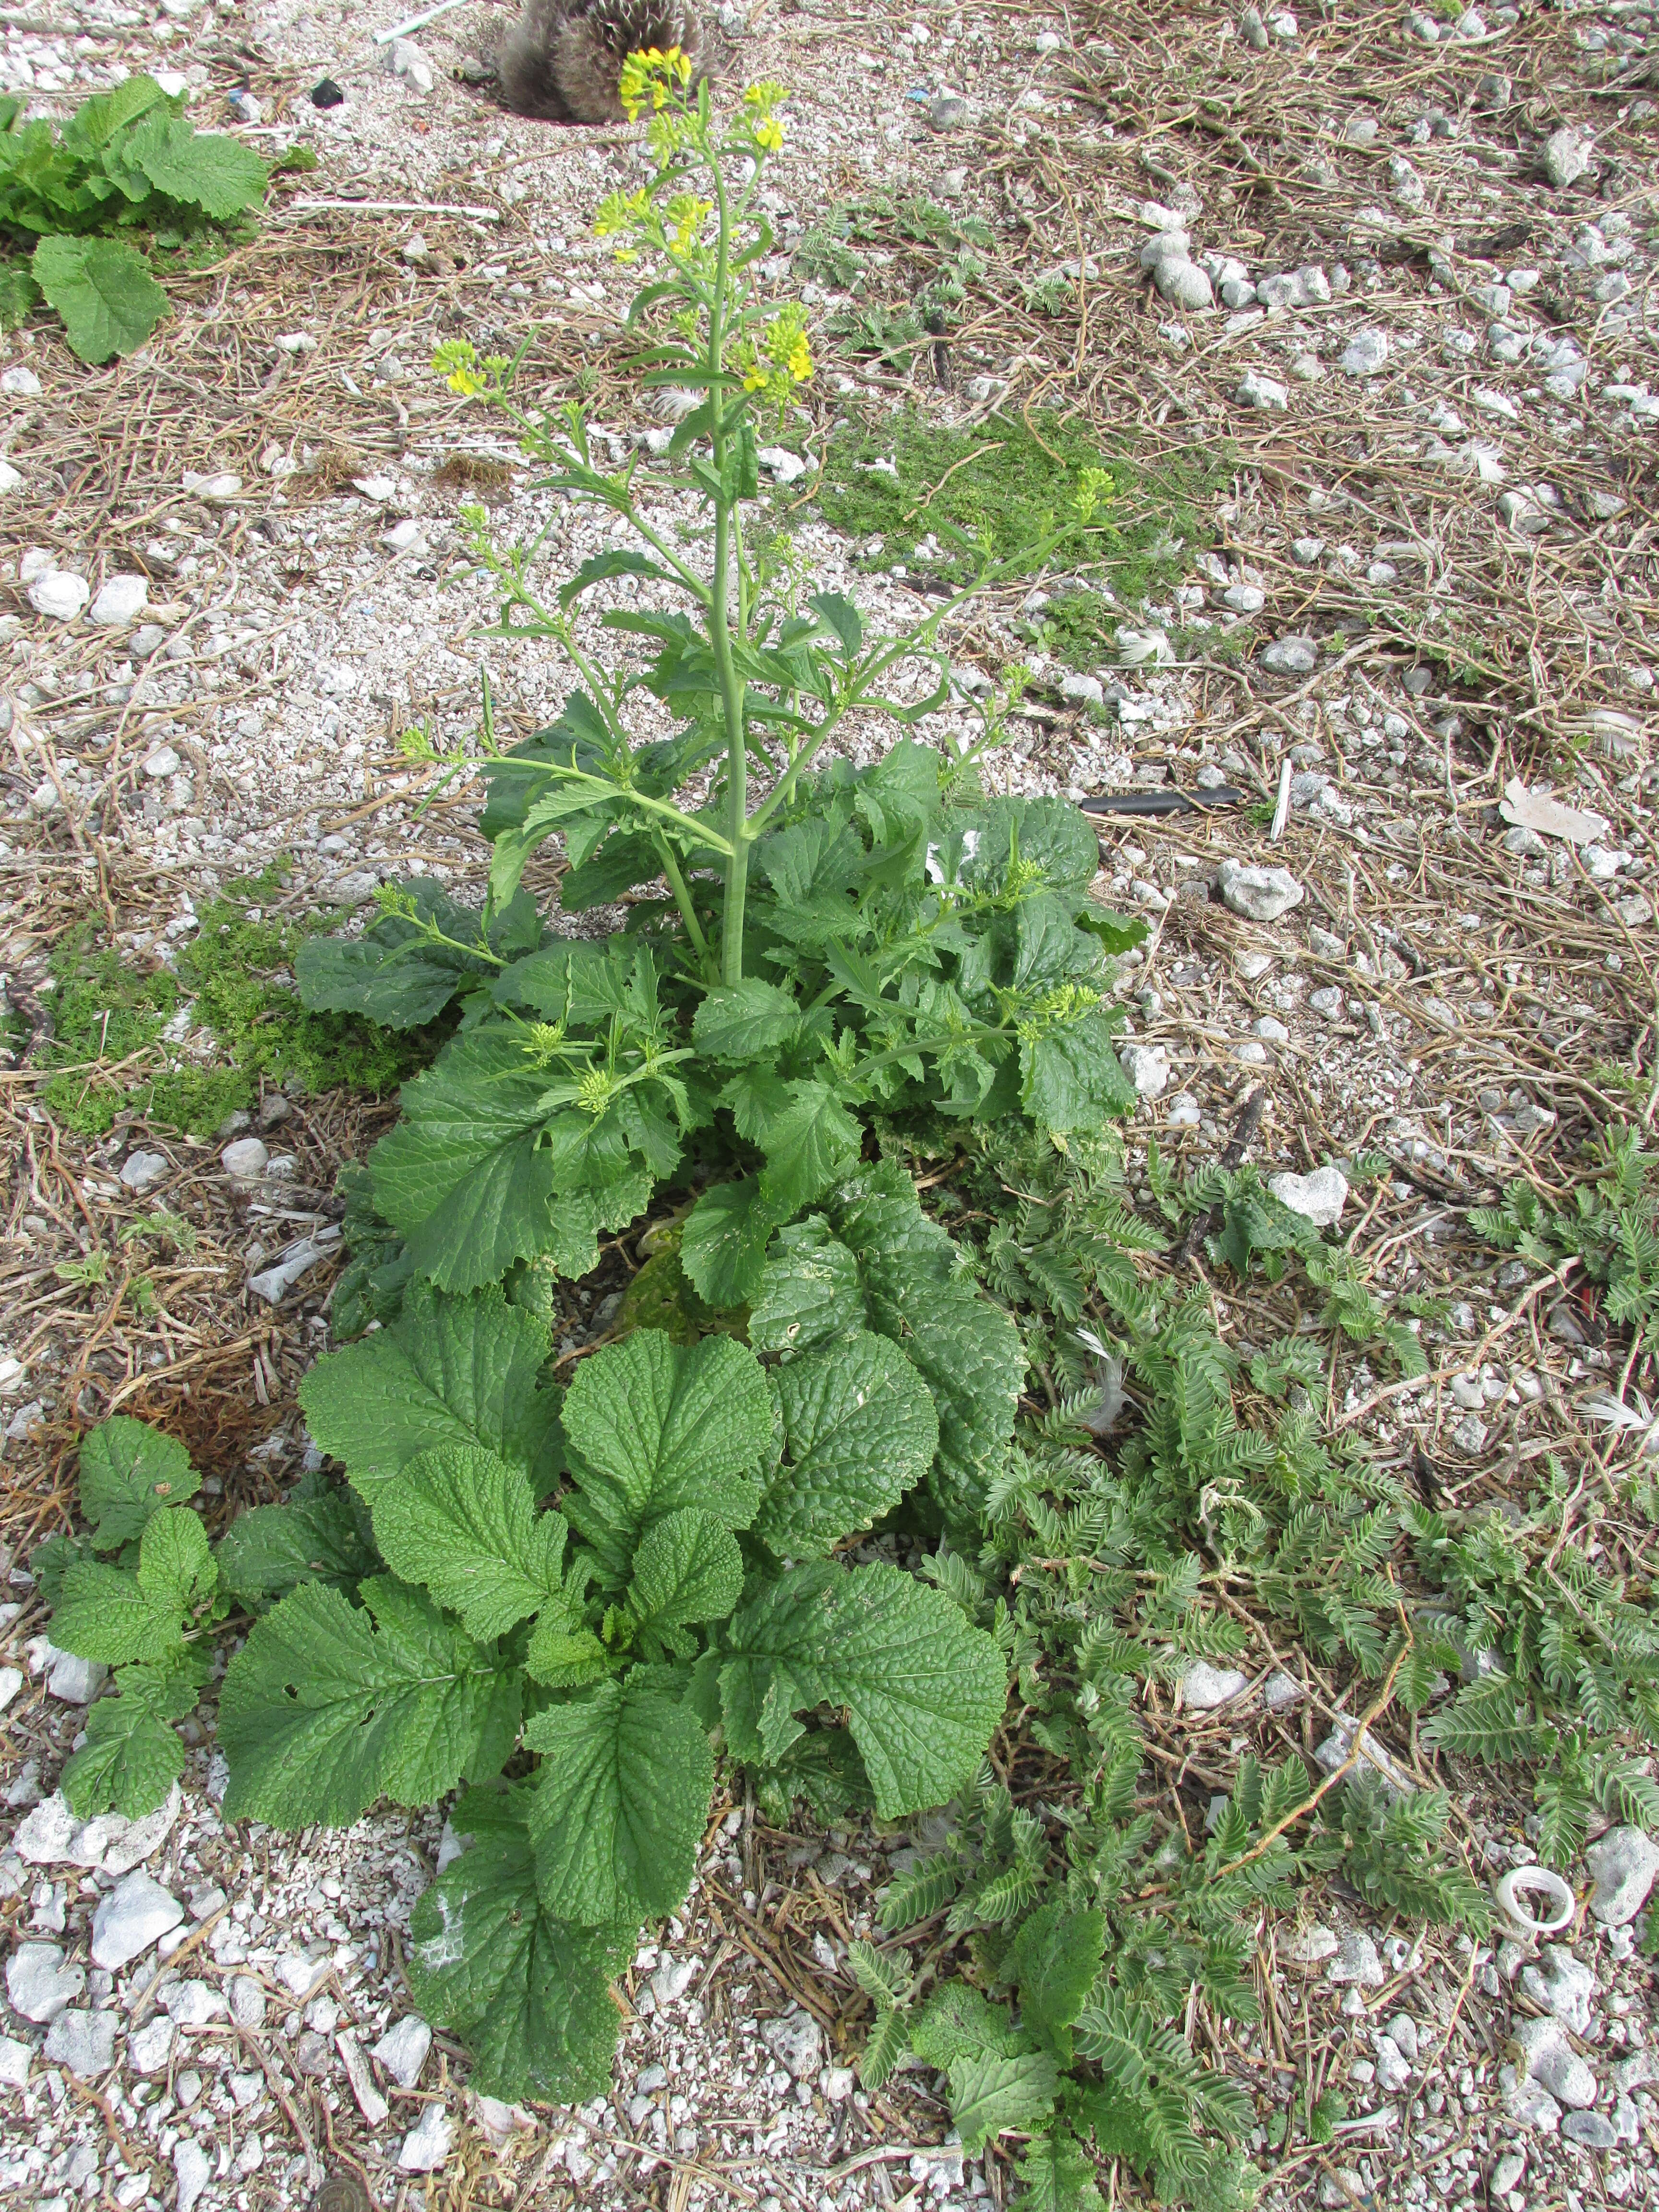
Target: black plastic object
(327, 95)
(1163, 802)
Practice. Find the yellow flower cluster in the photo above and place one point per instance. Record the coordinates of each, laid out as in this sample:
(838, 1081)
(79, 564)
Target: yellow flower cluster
(623, 211)
(457, 361)
(765, 126)
(650, 78)
(780, 358)
(683, 218)
(1095, 491)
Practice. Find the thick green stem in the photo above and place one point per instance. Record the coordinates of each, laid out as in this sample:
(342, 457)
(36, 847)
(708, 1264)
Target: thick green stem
(736, 757)
(720, 628)
(676, 883)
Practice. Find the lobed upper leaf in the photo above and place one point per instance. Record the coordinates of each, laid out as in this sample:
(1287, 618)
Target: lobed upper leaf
(923, 1691)
(620, 1803)
(128, 1471)
(529, 1992)
(328, 1706)
(654, 1427)
(461, 1371)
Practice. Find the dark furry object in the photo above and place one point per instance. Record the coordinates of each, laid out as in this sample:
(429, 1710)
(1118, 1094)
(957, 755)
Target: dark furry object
(563, 58)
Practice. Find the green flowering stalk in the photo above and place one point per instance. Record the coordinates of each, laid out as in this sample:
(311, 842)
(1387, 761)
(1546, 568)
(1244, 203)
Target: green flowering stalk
(764, 675)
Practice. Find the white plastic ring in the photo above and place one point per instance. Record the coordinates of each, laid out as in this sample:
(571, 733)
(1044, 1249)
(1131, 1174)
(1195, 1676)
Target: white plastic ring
(1509, 1888)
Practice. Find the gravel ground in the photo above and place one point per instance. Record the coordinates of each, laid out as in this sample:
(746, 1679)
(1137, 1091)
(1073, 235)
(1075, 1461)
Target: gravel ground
(1415, 310)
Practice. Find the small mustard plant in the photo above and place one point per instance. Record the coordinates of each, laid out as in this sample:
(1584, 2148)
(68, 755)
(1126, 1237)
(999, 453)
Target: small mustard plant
(733, 359)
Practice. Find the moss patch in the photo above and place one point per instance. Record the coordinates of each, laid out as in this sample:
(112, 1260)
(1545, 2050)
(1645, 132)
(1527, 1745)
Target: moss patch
(108, 1010)
(999, 490)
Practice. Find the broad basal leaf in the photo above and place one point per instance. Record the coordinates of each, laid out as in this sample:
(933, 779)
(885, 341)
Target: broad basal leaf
(619, 1805)
(859, 1429)
(688, 1568)
(132, 1757)
(959, 2021)
(737, 1021)
(531, 1994)
(875, 1259)
(315, 1535)
(127, 1471)
(199, 169)
(1058, 2175)
(811, 1142)
(1071, 1078)
(104, 291)
(1053, 1962)
(988, 2094)
(810, 1292)
(106, 1613)
(463, 1175)
(450, 1370)
(328, 1706)
(723, 1248)
(922, 1690)
(465, 1523)
(654, 1425)
(920, 1292)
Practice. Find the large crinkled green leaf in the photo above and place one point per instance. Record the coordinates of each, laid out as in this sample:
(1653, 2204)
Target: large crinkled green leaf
(128, 1471)
(174, 1562)
(859, 1430)
(654, 1425)
(131, 1756)
(811, 1142)
(104, 291)
(496, 1213)
(328, 1706)
(922, 1294)
(873, 1258)
(737, 1021)
(1048, 833)
(810, 1292)
(464, 1522)
(959, 2021)
(462, 1176)
(317, 1534)
(1071, 1077)
(449, 1371)
(688, 1568)
(1049, 948)
(723, 1248)
(531, 1994)
(109, 1614)
(923, 1691)
(988, 2094)
(1058, 2175)
(1053, 1962)
(395, 973)
(620, 1804)
(198, 169)
(129, 1762)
